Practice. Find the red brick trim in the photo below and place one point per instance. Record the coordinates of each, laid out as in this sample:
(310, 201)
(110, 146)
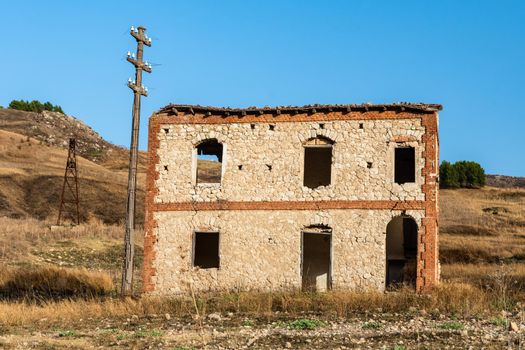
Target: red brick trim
(150, 238)
(290, 205)
(428, 232)
(182, 118)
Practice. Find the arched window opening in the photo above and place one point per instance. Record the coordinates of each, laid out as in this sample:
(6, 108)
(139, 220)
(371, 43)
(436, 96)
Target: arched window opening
(401, 252)
(209, 161)
(316, 258)
(317, 162)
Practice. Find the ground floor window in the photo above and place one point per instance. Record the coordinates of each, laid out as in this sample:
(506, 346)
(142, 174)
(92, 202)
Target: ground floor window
(206, 250)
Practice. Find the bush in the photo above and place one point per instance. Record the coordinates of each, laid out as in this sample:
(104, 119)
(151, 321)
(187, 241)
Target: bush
(34, 106)
(464, 174)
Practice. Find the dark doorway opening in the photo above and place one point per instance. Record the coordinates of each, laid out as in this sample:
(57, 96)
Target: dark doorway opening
(401, 252)
(405, 165)
(316, 259)
(206, 250)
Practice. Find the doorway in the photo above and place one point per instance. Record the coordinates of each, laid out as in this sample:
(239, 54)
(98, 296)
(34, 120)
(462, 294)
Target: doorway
(401, 252)
(316, 259)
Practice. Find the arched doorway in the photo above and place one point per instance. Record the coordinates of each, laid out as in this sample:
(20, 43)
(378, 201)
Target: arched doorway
(401, 252)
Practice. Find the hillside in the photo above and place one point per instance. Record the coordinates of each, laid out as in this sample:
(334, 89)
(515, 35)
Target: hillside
(482, 234)
(506, 181)
(31, 178)
(55, 129)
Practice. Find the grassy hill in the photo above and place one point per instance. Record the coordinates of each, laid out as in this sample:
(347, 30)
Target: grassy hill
(32, 160)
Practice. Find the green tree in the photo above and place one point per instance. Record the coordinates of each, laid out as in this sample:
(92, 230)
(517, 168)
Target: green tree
(464, 174)
(34, 106)
(448, 176)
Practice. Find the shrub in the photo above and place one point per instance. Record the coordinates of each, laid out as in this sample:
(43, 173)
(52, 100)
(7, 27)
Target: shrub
(34, 106)
(465, 174)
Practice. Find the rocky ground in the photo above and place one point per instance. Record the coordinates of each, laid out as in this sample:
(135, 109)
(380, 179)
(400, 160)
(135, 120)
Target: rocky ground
(232, 331)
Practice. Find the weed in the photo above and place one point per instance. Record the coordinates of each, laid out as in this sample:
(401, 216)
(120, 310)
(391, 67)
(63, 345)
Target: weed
(248, 323)
(143, 333)
(372, 325)
(500, 322)
(305, 324)
(156, 333)
(399, 347)
(68, 333)
(451, 325)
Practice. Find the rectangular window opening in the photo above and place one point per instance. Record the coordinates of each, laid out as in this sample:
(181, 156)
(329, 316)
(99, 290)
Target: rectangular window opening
(317, 166)
(209, 162)
(405, 165)
(206, 250)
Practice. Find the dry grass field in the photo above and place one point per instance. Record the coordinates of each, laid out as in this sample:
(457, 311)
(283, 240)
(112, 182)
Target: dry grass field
(59, 287)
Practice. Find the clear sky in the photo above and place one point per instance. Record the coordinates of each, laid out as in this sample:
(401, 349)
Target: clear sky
(467, 55)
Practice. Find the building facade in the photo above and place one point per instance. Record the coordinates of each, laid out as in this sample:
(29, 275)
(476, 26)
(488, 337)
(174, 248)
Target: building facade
(314, 198)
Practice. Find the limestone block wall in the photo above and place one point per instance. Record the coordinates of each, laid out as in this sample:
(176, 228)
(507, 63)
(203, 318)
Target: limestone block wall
(261, 250)
(255, 146)
(260, 213)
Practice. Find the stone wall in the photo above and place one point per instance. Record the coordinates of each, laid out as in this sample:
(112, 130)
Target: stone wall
(261, 250)
(282, 149)
(260, 213)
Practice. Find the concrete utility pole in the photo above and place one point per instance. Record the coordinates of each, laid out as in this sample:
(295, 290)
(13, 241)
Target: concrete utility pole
(138, 91)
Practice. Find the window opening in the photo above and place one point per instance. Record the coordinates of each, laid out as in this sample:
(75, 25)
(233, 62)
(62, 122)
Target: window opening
(317, 162)
(405, 165)
(206, 250)
(209, 161)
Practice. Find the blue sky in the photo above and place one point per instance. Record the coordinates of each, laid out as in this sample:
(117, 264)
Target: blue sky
(467, 55)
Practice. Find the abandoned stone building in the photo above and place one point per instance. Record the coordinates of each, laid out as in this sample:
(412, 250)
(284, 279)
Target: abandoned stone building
(316, 197)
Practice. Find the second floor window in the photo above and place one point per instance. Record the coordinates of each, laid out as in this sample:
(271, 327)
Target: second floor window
(405, 165)
(317, 162)
(209, 161)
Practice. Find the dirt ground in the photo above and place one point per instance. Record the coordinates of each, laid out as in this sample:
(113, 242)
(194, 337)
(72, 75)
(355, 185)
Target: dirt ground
(417, 330)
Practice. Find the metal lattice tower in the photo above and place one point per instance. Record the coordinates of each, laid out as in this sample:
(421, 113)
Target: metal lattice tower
(71, 182)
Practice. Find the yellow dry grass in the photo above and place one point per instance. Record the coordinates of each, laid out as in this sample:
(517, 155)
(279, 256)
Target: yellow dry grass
(18, 238)
(482, 226)
(463, 300)
(51, 282)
